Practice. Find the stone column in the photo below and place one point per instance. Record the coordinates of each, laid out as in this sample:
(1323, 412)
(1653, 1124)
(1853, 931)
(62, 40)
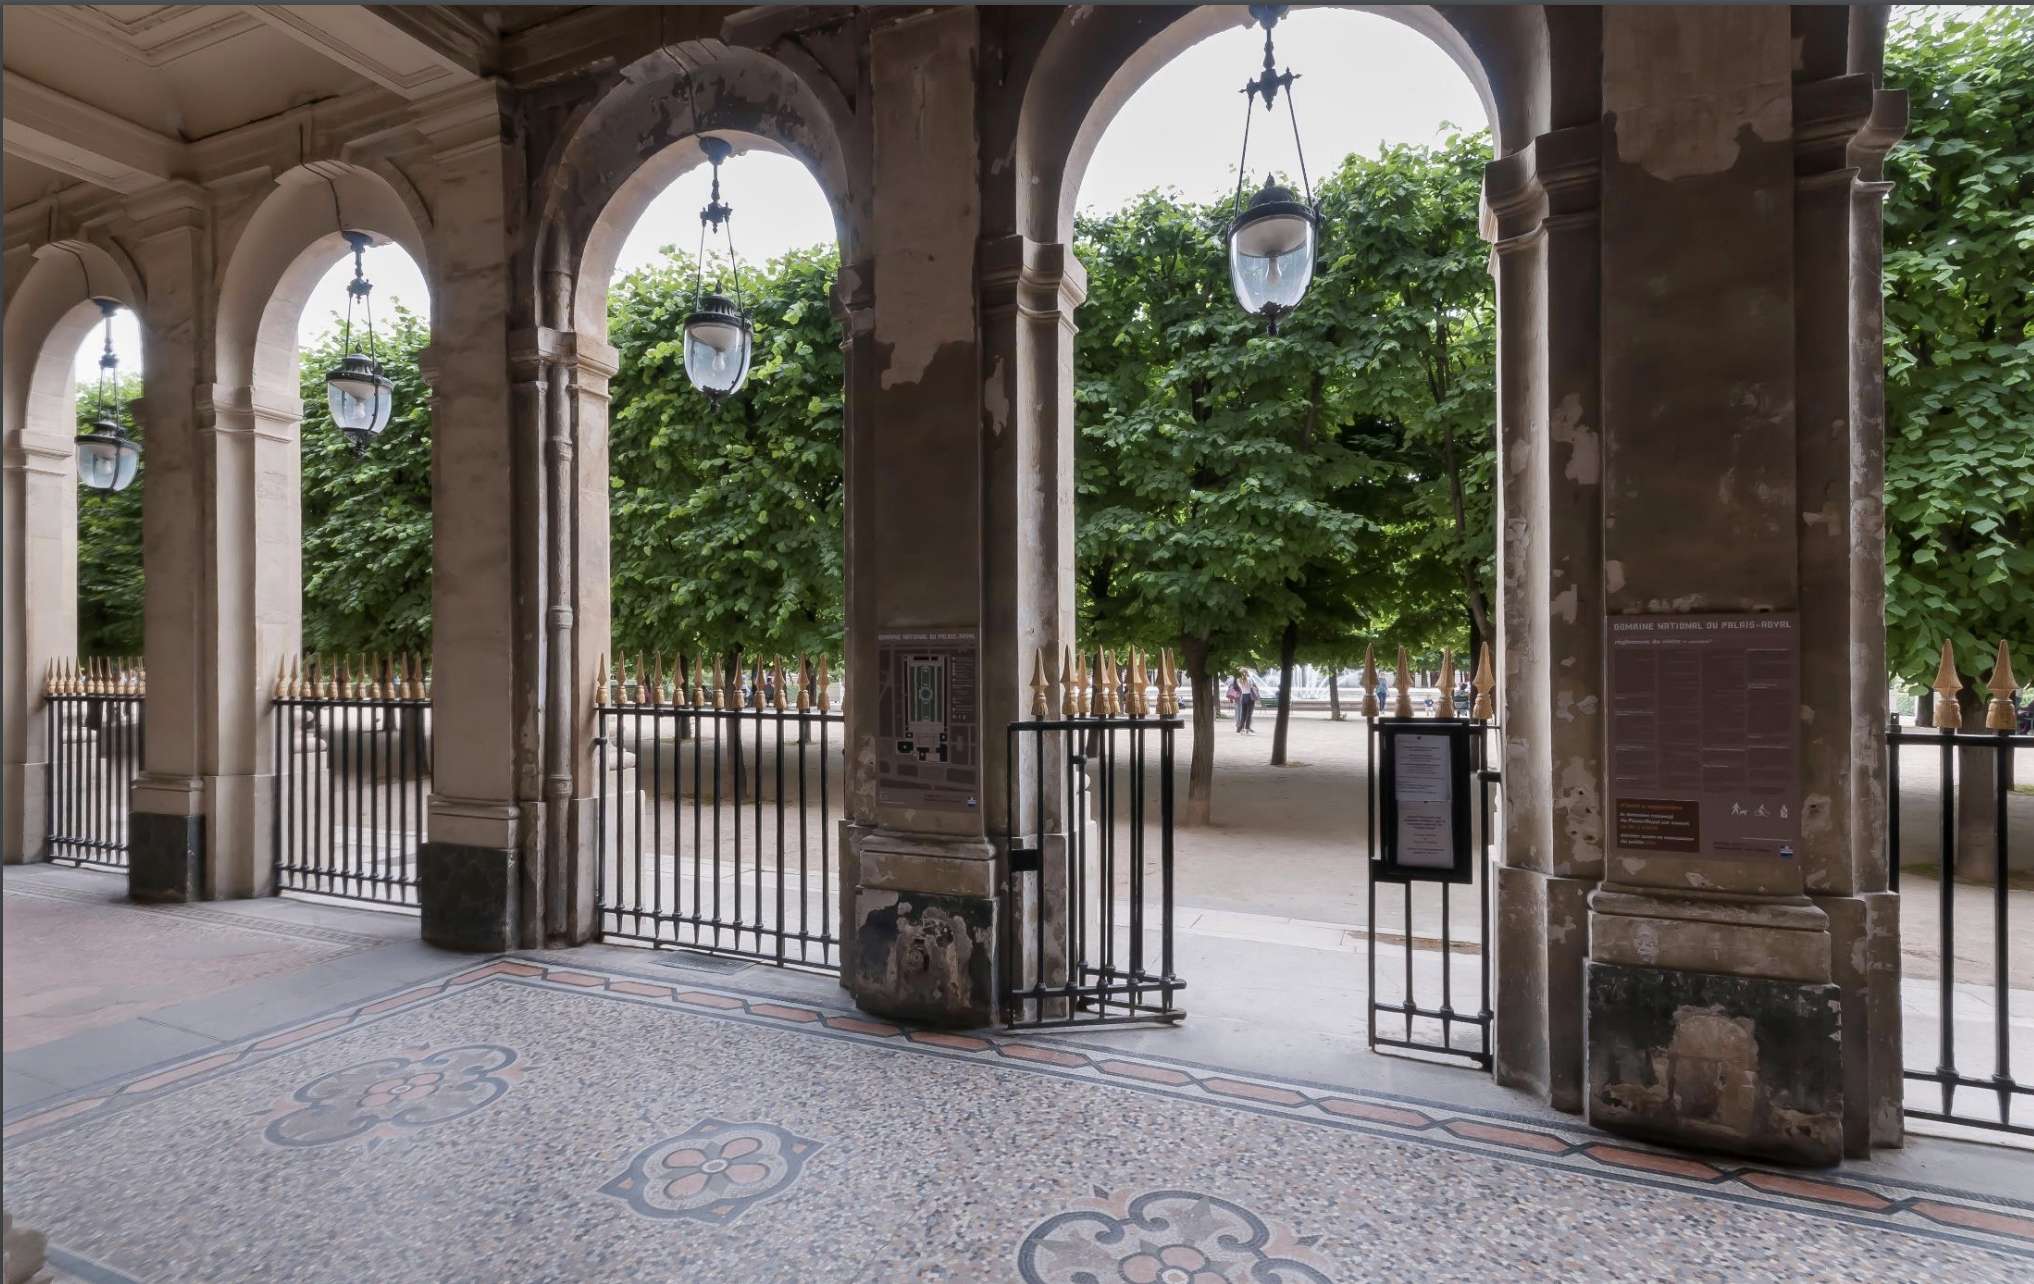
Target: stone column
(486, 445)
(40, 479)
(1030, 291)
(1543, 202)
(922, 929)
(171, 804)
(1739, 1002)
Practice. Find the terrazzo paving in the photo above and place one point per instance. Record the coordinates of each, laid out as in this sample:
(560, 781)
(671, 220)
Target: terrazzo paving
(539, 1119)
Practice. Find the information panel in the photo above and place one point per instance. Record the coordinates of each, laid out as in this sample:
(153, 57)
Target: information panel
(1705, 734)
(1423, 780)
(928, 748)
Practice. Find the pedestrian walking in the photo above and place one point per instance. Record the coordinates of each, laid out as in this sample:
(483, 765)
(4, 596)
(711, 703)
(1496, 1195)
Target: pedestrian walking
(1246, 702)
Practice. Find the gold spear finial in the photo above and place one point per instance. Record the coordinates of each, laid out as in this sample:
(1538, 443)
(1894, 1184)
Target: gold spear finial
(1039, 685)
(1999, 714)
(1948, 716)
(600, 679)
(296, 676)
(49, 678)
(1485, 707)
(1369, 681)
(804, 684)
(1402, 706)
(416, 690)
(820, 684)
(657, 680)
(777, 697)
(1446, 708)
(698, 681)
(281, 688)
(756, 684)
(1168, 685)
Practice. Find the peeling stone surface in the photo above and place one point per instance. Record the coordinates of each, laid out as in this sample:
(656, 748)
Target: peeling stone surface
(1744, 1064)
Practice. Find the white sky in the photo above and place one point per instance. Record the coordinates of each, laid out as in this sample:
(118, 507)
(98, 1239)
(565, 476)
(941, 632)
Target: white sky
(1364, 81)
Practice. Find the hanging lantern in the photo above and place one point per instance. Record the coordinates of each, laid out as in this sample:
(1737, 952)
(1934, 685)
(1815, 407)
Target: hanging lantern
(107, 457)
(1273, 241)
(359, 394)
(718, 337)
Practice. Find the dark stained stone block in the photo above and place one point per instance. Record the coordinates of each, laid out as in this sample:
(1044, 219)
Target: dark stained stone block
(468, 896)
(165, 857)
(926, 957)
(1744, 1064)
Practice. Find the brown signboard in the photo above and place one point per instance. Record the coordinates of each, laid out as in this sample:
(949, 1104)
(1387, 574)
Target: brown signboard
(1705, 734)
(928, 751)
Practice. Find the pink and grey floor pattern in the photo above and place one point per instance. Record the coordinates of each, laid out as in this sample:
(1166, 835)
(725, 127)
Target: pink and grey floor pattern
(525, 1119)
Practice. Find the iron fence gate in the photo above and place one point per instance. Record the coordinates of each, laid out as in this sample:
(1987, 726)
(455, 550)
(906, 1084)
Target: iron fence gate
(352, 770)
(1433, 1002)
(1944, 1040)
(96, 741)
(1097, 788)
(715, 814)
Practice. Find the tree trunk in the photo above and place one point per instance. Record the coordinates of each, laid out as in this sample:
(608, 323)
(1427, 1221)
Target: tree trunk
(1334, 695)
(1924, 708)
(1288, 645)
(1200, 805)
(732, 680)
(1977, 783)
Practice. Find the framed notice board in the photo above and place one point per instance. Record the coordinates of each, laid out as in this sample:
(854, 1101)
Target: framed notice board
(1705, 726)
(1423, 792)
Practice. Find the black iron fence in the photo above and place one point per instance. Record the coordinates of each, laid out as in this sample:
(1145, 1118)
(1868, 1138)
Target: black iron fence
(1432, 1001)
(1090, 797)
(95, 752)
(1960, 1025)
(715, 809)
(352, 764)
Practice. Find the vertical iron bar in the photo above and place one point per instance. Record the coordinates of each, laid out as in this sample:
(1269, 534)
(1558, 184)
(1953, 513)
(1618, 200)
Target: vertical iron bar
(1893, 746)
(1038, 749)
(636, 805)
(717, 721)
(1370, 866)
(277, 712)
(2002, 1061)
(804, 872)
(778, 720)
(600, 897)
(825, 836)
(1947, 901)
(1107, 901)
(756, 815)
(1165, 822)
(657, 820)
(1137, 863)
(698, 853)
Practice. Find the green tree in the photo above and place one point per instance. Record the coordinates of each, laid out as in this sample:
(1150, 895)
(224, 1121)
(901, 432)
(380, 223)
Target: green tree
(1208, 457)
(726, 524)
(367, 516)
(109, 537)
(1959, 289)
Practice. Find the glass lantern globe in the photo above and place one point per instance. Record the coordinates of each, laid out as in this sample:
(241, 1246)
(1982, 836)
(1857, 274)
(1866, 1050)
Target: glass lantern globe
(1271, 253)
(717, 340)
(361, 398)
(107, 457)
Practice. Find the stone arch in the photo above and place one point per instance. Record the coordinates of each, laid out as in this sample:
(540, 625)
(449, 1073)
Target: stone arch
(286, 244)
(1097, 57)
(610, 159)
(49, 315)
(642, 135)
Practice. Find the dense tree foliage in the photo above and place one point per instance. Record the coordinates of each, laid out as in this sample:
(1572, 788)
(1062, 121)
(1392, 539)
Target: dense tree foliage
(109, 536)
(1959, 274)
(1244, 495)
(725, 525)
(367, 516)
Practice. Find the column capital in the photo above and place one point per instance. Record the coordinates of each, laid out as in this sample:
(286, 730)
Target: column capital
(1037, 278)
(175, 206)
(1556, 178)
(463, 121)
(1843, 123)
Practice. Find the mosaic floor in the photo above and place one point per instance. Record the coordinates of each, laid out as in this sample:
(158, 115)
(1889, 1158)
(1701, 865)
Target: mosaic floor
(531, 1119)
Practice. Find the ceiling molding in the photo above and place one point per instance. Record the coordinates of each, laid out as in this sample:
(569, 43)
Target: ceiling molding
(160, 35)
(368, 45)
(59, 132)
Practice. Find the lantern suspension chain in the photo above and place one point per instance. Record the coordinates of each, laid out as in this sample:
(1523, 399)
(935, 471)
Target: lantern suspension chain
(107, 359)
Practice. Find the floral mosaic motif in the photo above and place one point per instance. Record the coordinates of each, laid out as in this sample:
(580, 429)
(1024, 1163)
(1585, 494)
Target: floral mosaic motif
(1166, 1237)
(390, 1094)
(714, 1172)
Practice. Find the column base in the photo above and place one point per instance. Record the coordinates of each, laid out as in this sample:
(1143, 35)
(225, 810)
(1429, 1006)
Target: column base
(924, 929)
(165, 857)
(1745, 1064)
(469, 896)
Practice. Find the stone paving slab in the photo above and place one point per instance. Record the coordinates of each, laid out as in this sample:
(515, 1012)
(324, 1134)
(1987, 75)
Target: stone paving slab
(529, 1119)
